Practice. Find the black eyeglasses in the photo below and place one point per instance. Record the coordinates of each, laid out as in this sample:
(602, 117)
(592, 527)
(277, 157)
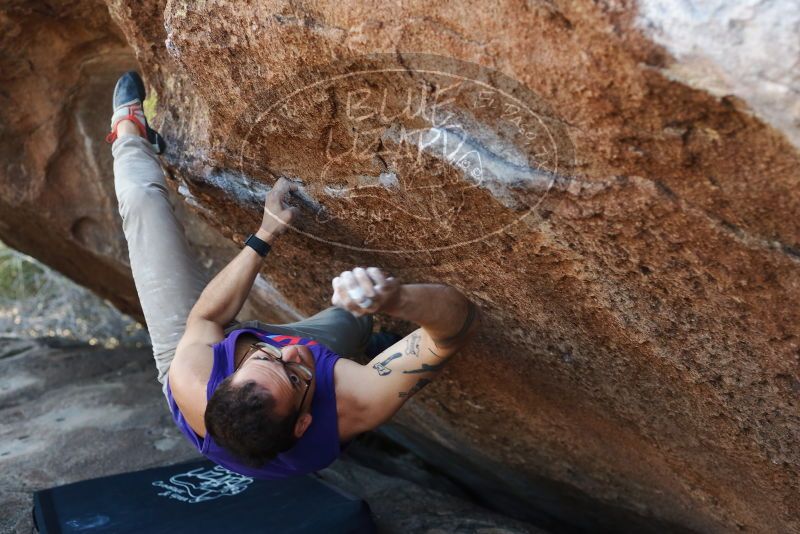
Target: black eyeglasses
(302, 373)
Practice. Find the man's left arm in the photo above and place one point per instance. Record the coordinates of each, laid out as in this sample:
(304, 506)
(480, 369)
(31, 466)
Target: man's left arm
(217, 306)
(225, 295)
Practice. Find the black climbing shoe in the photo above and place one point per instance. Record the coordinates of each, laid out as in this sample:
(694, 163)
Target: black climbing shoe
(380, 341)
(129, 94)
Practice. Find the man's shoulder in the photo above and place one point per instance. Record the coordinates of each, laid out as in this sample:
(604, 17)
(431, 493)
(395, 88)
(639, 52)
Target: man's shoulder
(347, 374)
(188, 379)
(191, 366)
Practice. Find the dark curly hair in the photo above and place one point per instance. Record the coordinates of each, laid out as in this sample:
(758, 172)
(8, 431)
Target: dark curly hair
(241, 418)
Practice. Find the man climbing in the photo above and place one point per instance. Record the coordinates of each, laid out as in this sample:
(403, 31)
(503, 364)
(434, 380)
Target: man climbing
(264, 400)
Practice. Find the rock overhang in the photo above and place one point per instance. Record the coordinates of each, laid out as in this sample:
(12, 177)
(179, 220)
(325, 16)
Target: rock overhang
(640, 343)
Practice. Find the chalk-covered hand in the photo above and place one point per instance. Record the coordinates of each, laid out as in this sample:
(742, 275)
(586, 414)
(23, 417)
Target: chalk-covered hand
(277, 214)
(364, 291)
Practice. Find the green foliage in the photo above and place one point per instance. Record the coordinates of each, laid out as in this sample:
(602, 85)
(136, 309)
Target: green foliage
(36, 301)
(150, 105)
(20, 276)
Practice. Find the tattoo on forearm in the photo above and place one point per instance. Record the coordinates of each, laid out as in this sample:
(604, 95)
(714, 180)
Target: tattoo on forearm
(383, 367)
(454, 340)
(412, 345)
(421, 383)
(426, 369)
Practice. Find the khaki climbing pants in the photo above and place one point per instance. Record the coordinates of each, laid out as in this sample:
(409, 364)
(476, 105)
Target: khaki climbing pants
(168, 276)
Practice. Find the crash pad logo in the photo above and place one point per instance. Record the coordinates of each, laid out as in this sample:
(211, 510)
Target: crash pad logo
(203, 484)
(407, 154)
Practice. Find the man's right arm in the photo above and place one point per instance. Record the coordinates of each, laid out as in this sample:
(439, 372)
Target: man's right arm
(446, 316)
(447, 320)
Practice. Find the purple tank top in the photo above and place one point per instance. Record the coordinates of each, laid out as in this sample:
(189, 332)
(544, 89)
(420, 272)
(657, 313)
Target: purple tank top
(315, 450)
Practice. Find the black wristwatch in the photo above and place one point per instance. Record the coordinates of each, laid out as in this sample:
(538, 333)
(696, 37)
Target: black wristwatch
(262, 247)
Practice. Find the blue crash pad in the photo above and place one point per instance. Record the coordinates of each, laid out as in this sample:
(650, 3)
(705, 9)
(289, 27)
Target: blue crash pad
(199, 496)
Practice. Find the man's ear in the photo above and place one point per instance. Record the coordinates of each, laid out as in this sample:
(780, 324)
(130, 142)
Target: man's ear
(302, 425)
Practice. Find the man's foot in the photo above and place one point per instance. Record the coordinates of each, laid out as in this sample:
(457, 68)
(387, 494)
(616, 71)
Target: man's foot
(380, 341)
(129, 94)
